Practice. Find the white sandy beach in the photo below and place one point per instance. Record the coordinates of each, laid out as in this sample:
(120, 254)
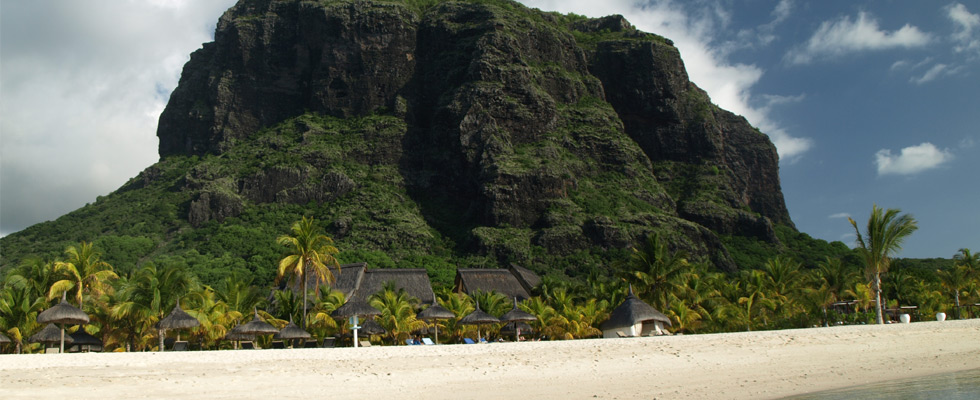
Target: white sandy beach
(745, 365)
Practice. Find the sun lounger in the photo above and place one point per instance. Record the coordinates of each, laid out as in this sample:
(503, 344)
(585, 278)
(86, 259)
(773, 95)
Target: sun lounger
(180, 346)
(468, 341)
(427, 341)
(328, 342)
(364, 343)
(621, 334)
(410, 342)
(248, 345)
(278, 344)
(310, 344)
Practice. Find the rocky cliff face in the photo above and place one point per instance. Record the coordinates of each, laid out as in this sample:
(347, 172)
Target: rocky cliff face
(522, 129)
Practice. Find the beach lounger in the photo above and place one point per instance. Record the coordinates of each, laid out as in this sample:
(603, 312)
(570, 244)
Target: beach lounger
(278, 344)
(180, 346)
(328, 343)
(410, 342)
(248, 345)
(364, 343)
(468, 341)
(427, 341)
(621, 334)
(310, 344)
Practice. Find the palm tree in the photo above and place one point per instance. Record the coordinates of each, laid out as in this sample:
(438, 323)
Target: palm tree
(954, 280)
(326, 302)
(309, 251)
(147, 295)
(655, 271)
(85, 270)
(239, 294)
(19, 308)
(886, 230)
(397, 312)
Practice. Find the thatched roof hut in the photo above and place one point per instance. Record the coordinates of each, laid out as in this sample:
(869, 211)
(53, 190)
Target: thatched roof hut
(631, 315)
(4, 338)
(82, 341)
(258, 327)
(414, 281)
(528, 279)
(509, 282)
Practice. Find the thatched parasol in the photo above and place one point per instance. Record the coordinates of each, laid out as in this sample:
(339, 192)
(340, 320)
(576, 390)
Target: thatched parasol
(291, 332)
(177, 319)
(258, 327)
(517, 315)
(434, 312)
(354, 309)
(236, 335)
(4, 338)
(51, 334)
(633, 311)
(82, 338)
(63, 314)
(478, 317)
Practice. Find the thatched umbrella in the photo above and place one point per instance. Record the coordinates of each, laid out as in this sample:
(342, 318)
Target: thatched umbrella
(51, 334)
(435, 312)
(63, 314)
(633, 311)
(177, 319)
(4, 338)
(291, 332)
(258, 327)
(354, 309)
(236, 335)
(478, 317)
(517, 315)
(82, 339)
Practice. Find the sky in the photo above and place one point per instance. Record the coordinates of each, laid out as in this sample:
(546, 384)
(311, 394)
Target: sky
(867, 102)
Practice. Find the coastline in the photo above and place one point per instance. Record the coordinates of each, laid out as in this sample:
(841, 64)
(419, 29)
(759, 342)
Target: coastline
(763, 364)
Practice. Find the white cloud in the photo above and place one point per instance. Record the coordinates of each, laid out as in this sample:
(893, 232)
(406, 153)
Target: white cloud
(967, 143)
(839, 215)
(83, 84)
(846, 35)
(967, 28)
(932, 73)
(911, 160)
(693, 32)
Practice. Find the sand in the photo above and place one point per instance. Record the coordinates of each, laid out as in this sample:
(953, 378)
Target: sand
(747, 365)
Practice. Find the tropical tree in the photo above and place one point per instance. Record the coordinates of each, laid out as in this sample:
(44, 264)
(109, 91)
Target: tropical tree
(239, 293)
(459, 304)
(322, 323)
(397, 312)
(19, 308)
(85, 272)
(309, 251)
(954, 280)
(147, 295)
(884, 235)
(655, 271)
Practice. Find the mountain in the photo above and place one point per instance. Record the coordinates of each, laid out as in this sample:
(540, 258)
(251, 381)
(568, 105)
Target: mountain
(435, 134)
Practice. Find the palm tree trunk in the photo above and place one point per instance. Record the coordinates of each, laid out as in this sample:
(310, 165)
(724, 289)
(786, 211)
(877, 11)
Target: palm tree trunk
(956, 296)
(303, 323)
(877, 282)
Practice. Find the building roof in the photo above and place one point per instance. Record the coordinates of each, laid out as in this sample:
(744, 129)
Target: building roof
(502, 281)
(632, 311)
(528, 279)
(414, 281)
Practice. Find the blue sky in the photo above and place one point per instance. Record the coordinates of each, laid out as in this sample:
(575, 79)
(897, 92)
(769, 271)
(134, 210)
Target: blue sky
(867, 102)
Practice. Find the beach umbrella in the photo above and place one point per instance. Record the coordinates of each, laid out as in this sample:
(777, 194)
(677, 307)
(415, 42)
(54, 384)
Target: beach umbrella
(4, 338)
(82, 338)
(258, 327)
(236, 335)
(435, 312)
(354, 309)
(633, 311)
(63, 314)
(517, 315)
(291, 332)
(177, 319)
(478, 317)
(51, 334)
